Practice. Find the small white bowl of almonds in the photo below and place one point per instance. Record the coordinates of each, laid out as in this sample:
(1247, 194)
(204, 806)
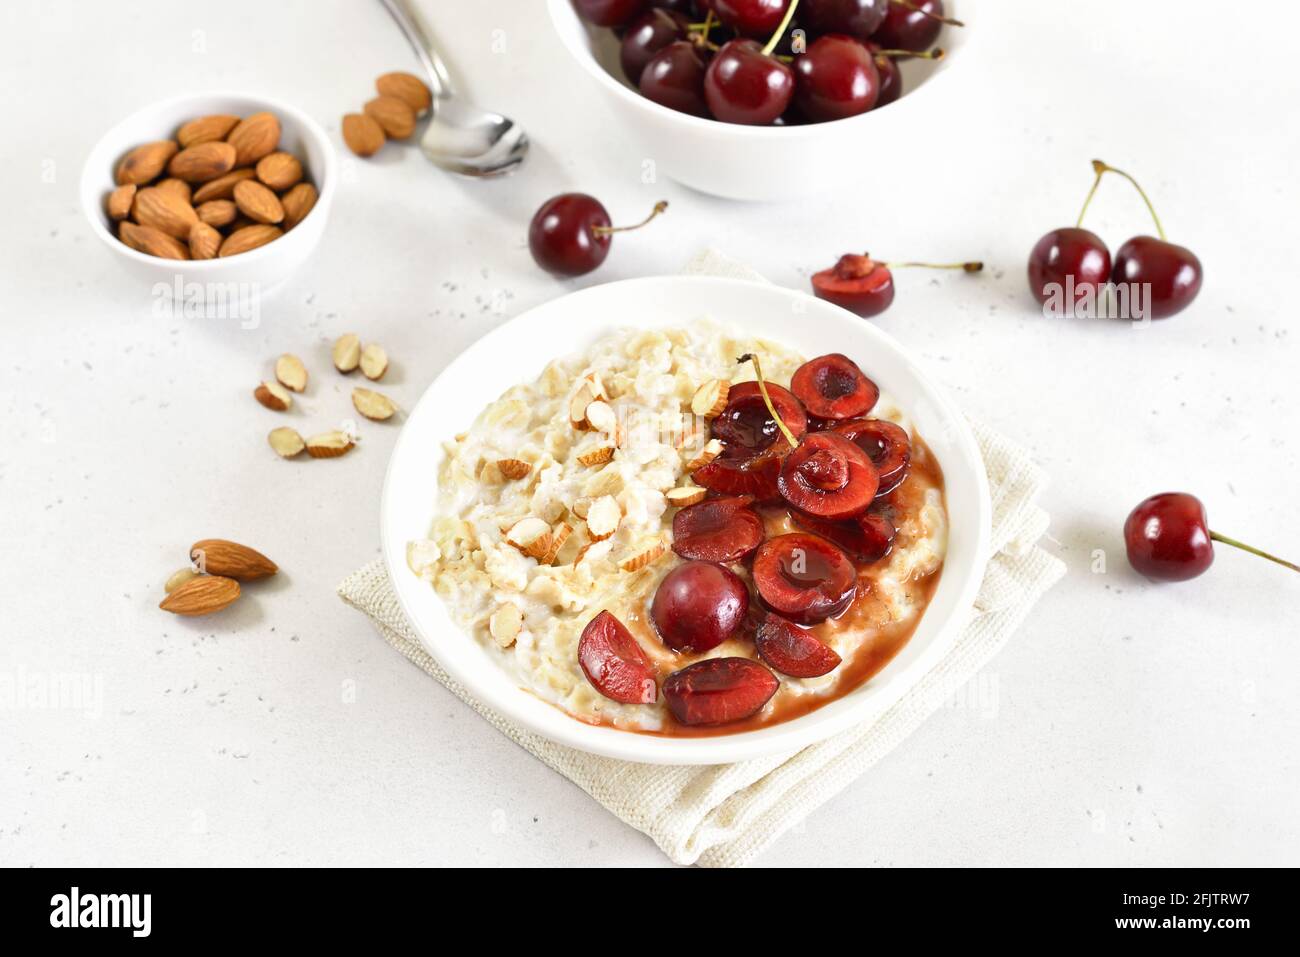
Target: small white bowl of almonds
(216, 188)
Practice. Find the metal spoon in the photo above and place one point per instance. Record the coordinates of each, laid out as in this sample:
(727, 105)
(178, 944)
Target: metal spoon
(460, 137)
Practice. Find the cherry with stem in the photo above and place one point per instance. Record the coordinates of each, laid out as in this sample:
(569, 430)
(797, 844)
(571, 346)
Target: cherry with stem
(1170, 272)
(570, 234)
(746, 84)
(1070, 264)
(1168, 538)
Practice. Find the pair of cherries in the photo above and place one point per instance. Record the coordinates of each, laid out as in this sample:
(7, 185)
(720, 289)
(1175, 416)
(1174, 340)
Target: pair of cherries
(1073, 262)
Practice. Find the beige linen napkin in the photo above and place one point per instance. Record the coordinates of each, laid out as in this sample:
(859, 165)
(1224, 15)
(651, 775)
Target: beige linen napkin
(724, 815)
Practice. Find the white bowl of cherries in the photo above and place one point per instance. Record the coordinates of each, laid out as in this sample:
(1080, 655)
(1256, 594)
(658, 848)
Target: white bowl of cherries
(781, 96)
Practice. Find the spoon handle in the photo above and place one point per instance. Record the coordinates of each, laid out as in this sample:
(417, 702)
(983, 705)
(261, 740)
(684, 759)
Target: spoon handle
(418, 37)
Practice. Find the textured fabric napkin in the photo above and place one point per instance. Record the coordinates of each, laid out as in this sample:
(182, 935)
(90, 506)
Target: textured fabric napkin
(723, 815)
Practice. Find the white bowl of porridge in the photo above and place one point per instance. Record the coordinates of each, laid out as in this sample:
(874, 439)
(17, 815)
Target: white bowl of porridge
(602, 553)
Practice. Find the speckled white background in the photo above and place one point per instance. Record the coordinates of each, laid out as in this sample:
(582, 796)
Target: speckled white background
(1126, 724)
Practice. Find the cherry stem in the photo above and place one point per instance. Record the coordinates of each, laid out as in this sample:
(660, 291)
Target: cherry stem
(975, 266)
(606, 230)
(767, 399)
(1091, 193)
(936, 54)
(1102, 167)
(780, 31)
(1254, 551)
(933, 16)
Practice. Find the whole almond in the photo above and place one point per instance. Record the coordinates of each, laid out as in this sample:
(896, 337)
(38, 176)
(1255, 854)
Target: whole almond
(394, 114)
(273, 395)
(286, 442)
(178, 187)
(257, 202)
(362, 134)
(254, 137)
(347, 352)
(151, 241)
(144, 163)
(297, 204)
(408, 87)
(223, 187)
(250, 237)
(373, 405)
(120, 200)
(201, 596)
(204, 241)
(164, 209)
(291, 372)
(279, 170)
(206, 129)
(374, 361)
(329, 445)
(217, 556)
(199, 164)
(217, 212)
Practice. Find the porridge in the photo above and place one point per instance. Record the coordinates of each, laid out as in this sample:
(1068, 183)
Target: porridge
(647, 537)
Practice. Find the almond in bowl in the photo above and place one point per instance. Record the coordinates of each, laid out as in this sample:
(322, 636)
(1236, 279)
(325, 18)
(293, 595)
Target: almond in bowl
(762, 568)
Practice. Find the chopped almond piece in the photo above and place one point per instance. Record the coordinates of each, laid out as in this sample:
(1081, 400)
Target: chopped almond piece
(505, 624)
(291, 372)
(578, 407)
(347, 352)
(273, 396)
(329, 445)
(603, 517)
(593, 552)
(597, 456)
(513, 468)
(711, 398)
(643, 554)
(712, 449)
(531, 536)
(600, 416)
(685, 495)
(559, 535)
(286, 442)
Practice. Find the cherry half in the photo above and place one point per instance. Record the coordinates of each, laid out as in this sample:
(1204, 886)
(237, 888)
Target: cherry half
(791, 650)
(570, 234)
(864, 286)
(719, 690)
(746, 425)
(698, 606)
(717, 530)
(833, 387)
(804, 577)
(828, 476)
(1168, 538)
(886, 444)
(614, 663)
(867, 538)
(836, 78)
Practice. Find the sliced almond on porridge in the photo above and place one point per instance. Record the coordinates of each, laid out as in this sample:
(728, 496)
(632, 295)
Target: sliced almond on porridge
(712, 449)
(688, 433)
(593, 552)
(603, 517)
(597, 456)
(578, 407)
(559, 535)
(684, 495)
(329, 445)
(347, 352)
(513, 468)
(642, 555)
(580, 506)
(286, 442)
(597, 387)
(374, 361)
(291, 372)
(600, 416)
(505, 624)
(373, 405)
(531, 536)
(273, 396)
(711, 398)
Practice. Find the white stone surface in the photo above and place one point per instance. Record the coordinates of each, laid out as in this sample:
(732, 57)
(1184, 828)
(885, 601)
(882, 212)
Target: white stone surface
(1126, 724)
